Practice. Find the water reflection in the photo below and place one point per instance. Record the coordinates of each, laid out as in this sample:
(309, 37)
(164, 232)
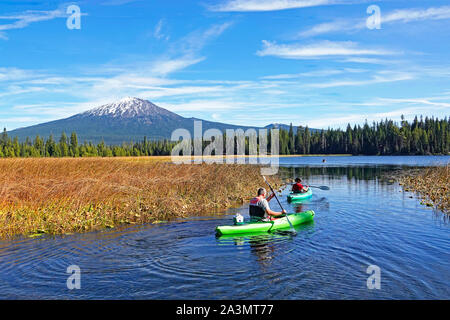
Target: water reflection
(265, 246)
(357, 173)
(299, 205)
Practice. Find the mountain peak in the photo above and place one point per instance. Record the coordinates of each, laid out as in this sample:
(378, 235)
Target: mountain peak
(129, 107)
(129, 99)
(128, 119)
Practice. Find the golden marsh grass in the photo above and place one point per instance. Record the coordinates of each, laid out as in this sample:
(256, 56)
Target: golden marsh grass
(432, 184)
(59, 196)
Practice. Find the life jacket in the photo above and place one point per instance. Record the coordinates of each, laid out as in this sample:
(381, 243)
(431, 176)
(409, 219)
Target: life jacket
(255, 211)
(298, 187)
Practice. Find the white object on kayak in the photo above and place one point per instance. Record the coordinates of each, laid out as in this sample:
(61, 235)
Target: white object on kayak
(239, 218)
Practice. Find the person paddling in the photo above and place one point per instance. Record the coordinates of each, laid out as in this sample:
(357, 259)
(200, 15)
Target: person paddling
(259, 208)
(297, 187)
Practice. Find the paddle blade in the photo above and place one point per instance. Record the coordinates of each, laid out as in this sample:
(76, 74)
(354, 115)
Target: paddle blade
(321, 187)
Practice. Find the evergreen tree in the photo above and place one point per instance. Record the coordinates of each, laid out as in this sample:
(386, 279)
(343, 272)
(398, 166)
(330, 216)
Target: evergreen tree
(421, 136)
(74, 145)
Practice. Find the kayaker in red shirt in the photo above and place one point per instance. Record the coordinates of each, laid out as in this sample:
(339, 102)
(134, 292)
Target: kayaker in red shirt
(259, 207)
(297, 187)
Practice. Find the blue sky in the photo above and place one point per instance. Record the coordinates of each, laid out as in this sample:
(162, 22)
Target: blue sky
(246, 62)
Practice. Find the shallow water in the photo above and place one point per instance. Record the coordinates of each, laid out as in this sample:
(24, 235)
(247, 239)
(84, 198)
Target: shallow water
(361, 221)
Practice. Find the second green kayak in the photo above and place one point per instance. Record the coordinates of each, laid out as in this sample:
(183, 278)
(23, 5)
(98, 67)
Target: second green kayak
(300, 196)
(281, 223)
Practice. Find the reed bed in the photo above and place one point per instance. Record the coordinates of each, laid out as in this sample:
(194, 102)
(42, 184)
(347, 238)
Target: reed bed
(61, 196)
(432, 184)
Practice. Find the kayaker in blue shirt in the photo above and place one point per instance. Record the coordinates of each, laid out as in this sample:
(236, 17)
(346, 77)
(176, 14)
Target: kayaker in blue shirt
(297, 187)
(259, 208)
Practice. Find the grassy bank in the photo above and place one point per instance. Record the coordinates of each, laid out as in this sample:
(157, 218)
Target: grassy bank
(59, 196)
(432, 184)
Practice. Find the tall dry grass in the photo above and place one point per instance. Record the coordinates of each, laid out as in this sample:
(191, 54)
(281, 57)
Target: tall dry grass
(432, 184)
(58, 196)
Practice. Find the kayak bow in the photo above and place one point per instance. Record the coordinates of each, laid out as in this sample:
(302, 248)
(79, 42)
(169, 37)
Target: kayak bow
(263, 226)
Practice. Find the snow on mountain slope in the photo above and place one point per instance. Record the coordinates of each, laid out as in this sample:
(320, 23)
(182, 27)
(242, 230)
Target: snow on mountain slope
(129, 119)
(130, 107)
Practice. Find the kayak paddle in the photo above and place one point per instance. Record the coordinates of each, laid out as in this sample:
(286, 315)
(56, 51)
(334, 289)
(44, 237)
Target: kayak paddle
(279, 203)
(321, 187)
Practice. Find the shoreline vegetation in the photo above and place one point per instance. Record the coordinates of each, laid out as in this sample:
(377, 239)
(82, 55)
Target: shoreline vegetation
(430, 183)
(429, 136)
(75, 195)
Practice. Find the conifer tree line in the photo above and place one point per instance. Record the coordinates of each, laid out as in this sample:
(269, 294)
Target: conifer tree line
(69, 147)
(418, 137)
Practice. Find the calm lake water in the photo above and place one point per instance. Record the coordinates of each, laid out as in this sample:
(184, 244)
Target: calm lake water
(363, 220)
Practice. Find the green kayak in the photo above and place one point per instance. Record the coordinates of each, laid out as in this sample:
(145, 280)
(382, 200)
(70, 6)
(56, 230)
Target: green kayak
(300, 196)
(281, 223)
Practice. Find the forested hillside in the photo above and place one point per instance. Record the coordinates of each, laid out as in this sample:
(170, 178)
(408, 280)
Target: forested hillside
(418, 137)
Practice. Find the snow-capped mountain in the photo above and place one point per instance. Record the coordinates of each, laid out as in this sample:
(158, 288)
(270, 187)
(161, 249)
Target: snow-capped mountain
(129, 119)
(130, 107)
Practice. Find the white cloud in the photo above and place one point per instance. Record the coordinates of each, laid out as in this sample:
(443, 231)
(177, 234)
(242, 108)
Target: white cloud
(196, 40)
(185, 52)
(418, 101)
(158, 32)
(368, 60)
(274, 92)
(15, 90)
(54, 109)
(19, 119)
(166, 66)
(315, 73)
(408, 15)
(402, 15)
(203, 105)
(268, 5)
(338, 121)
(133, 85)
(340, 113)
(328, 27)
(38, 113)
(380, 77)
(322, 49)
(215, 116)
(14, 74)
(24, 19)
(160, 92)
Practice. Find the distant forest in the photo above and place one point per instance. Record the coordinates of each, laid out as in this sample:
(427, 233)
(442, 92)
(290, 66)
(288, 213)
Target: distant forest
(418, 137)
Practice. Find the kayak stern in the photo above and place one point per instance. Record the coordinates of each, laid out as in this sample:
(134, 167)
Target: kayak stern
(300, 196)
